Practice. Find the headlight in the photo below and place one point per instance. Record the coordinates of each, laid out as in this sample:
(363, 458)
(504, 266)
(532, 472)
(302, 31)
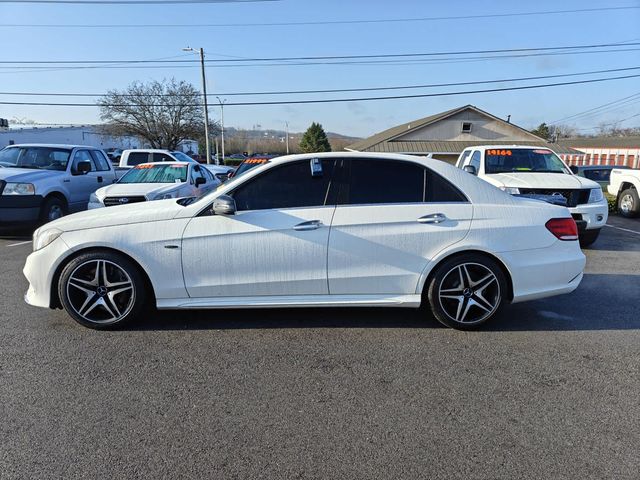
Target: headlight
(19, 189)
(43, 238)
(164, 196)
(595, 195)
(511, 190)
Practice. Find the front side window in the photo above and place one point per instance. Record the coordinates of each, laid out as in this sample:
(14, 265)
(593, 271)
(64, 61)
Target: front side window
(176, 173)
(382, 181)
(463, 158)
(475, 160)
(522, 160)
(83, 156)
(161, 157)
(45, 158)
(136, 158)
(291, 185)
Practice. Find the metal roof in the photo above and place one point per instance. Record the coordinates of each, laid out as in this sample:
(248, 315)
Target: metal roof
(456, 147)
(601, 142)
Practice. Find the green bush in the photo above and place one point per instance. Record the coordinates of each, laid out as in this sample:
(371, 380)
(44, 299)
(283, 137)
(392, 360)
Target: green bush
(612, 201)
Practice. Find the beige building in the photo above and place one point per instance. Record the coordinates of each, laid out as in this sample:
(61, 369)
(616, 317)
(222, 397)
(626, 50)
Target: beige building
(445, 135)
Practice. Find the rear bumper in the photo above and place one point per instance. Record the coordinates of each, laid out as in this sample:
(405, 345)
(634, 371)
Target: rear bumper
(545, 272)
(19, 208)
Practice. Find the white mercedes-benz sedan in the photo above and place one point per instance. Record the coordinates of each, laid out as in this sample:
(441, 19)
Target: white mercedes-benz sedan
(317, 230)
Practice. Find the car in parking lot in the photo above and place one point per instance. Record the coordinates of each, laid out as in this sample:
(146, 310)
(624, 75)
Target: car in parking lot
(598, 173)
(43, 182)
(131, 158)
(625, 185)
(156, 181)
(334, 229)
(250, 163)
(535, 171)
(221, 172)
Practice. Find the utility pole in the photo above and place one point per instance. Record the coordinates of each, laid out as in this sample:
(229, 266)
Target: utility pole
(222, 102)
(204, 100)
(287, 130)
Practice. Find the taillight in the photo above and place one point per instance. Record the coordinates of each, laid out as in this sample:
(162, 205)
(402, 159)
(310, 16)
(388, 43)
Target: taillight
(563, 228)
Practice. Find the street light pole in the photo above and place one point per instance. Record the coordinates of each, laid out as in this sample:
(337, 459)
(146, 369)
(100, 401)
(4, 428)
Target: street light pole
(287, 130)
(222, 102)
(204, 99)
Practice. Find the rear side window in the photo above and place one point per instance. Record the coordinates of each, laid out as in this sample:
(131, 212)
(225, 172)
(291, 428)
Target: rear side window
(136, 158)
(161, 157)
(439, 190)
(382, 181)
(288, 186)
(598, 175)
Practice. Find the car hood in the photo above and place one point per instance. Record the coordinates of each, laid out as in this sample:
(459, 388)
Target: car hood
(25, 175)
(119, 215)
(561, 181)
(136, 189)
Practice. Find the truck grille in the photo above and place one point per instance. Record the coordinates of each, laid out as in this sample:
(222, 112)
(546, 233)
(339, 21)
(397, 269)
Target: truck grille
(113, 201)
(574, 196)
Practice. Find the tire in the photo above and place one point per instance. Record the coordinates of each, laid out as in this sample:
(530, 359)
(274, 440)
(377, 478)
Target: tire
(52, 209)
(466, 291)
(629, 203)
(102, 290)
(589, 236)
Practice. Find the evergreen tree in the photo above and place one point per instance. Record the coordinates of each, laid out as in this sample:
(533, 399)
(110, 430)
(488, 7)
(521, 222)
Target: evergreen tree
(315, 140)
(542, 131)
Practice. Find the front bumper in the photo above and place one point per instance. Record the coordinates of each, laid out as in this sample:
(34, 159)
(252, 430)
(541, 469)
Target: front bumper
(20, 208)
(39, 269)
(590, 216)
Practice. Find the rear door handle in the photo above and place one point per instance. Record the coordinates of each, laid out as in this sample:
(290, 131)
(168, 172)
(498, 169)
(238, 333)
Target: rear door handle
(310, 225)
(433, 218)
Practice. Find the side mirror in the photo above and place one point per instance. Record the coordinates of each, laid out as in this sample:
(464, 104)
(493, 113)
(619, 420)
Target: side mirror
(83, 167)
(470, 169)
(224, 205)
(200, 181)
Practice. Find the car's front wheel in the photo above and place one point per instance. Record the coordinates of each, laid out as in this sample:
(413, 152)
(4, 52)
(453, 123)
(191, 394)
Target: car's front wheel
(466, 291)
(629, 203)
(101, 289)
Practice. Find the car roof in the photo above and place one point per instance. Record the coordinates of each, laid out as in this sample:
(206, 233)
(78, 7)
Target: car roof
(166, 163)
(52, 145)
(491, 147)
(147, 150)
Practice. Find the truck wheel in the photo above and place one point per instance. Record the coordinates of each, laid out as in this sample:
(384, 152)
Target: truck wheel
(52, 209)
(629, 203)
(588, 237)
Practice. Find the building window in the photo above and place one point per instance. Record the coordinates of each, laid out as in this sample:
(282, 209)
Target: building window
(466, 127)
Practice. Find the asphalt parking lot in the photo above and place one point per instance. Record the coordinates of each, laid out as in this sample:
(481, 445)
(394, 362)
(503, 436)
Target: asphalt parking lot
(550, 389)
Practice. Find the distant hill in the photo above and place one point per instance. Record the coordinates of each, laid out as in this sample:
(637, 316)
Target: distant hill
(249, 134)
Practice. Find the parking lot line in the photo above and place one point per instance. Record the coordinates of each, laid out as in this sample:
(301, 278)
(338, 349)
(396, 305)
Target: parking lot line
(623, 229)
(19, 243)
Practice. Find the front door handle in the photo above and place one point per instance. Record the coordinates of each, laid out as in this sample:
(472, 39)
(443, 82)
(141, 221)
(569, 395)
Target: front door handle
(310, 225)
(433, 218)
(99, 179)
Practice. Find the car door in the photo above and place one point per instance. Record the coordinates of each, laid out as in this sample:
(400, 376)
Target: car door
(392, 218)
(83, 185)
(275, 243)
(103, 166)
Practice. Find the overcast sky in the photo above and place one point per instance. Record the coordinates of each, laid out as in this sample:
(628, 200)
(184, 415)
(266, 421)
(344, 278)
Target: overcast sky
(527, 108)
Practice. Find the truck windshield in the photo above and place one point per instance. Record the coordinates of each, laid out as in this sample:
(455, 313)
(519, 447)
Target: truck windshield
(157, 173)
(522, 160)
(43, 158)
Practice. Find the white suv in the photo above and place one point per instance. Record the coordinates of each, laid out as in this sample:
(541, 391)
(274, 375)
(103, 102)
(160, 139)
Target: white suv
(535, 171)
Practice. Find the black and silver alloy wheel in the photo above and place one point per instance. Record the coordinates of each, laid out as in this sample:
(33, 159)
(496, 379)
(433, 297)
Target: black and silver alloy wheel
(629, 203)
(466, 291)
(101, 290)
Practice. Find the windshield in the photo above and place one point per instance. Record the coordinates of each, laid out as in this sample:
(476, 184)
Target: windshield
(183, 157)
(43, 158)
(522, 160)
(249, 164)
(157, 173)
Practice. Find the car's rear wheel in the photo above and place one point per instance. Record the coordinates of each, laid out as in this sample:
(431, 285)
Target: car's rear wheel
(466, 291)
(629, 203)
(101, 289)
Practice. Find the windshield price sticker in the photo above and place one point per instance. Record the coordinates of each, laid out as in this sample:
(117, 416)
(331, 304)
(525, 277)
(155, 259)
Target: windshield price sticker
(498, 152)
(143, 166)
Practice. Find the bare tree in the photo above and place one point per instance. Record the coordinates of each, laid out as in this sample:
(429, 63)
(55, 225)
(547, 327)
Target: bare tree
(161, 113)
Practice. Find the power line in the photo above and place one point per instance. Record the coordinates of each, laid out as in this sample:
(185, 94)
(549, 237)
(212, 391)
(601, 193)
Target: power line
(130, 2)
(288, 24)
(329, 57)
(342, 100)
(338, 90)
(594, 110)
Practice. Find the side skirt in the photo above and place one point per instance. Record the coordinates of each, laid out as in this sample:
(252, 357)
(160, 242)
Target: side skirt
(300, 301)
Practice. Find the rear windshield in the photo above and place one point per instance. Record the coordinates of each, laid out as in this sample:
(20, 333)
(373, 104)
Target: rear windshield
(522, 160)
(42, 158)
(165, 173)
(249, 164)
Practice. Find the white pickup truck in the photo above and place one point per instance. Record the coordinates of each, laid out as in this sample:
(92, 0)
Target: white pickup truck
(624, 184)
(40, 183)
(535, 171)
(131, 158)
